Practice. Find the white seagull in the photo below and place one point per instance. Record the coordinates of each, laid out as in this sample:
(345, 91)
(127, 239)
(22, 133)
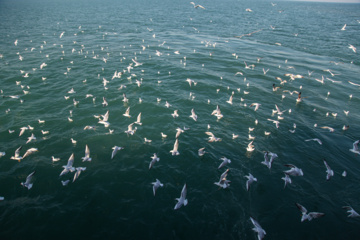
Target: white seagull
(154, 159)
(314, 139)
(329, 172)
(175, 149)
(308, 216)
(115, 150)
(156, 185)
(69, 166)
(225, 161)
(182, 200)
(138, 120)
(212, 137)
(355, 148)
(29, 181)
(351, 211)
(294, 171)
(87, 154)
(250, 180)
(223, 182)
(258, 229)
(130, 129)
(17, 156)
(193, 115)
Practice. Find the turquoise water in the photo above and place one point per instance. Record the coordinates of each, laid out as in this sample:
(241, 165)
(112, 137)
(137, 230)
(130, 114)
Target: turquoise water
(113, 198)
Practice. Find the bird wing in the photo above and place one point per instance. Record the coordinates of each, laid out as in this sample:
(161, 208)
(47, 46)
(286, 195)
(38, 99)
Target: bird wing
(302, 209)
(28, 178)
(17, 152)
(183, 192)
(87, 151)
(210, 134)
(70, 161)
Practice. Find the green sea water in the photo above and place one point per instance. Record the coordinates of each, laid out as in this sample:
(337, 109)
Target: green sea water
(84, 42)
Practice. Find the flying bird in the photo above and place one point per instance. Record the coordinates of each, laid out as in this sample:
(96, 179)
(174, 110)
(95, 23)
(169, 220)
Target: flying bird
(115, 150)
(156, 185)
(87, 155)
(182, 200)
(308, 216)
(29, 181)
(69, 166)
(258, 229)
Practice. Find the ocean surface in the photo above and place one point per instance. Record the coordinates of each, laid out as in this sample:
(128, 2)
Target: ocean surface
(50, 47)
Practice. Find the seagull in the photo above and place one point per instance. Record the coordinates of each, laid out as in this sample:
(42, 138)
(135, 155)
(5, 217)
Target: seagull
(223, 182)
(66, 182)
(136, 63)
(175, 114)
(29, 151)
(355, 148)
(275, 88)
(278, 110)
(138, 120)
(329, 128)
(225, 161)
(178, 132)
(69, 166)
(287, 180)
(163, 135)
(197, 6)
(130, 129)
(22, 130)
(87, 154)
(28, 183)
(17, 155)
(308, 216)
(147, 140)
(329, 172)
(78, 171)
(250, 180)
(182, 200)
(156, 185)
(250, 147)
(212, 137)
(351, 211)
(352, 48)
(343, 28)
(104, 103)
(175, 149)
(293, 171)
(201, 152)
(115, 150)
(73, 141)
(54, 159)
(230, 101)
(126, 114)
(258, 229)
(2, 154)
(153, 161)
(190, 81)
(274, 121)
(268, 162)
(193, 115)
(314, 139)
(167, 104)
(125, 99)
(257, 105)
(217, 113)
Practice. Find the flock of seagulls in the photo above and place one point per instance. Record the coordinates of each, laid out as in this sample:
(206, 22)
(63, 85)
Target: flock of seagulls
(276, 116)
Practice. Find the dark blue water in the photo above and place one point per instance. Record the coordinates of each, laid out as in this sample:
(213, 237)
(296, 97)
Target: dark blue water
(113, 198)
